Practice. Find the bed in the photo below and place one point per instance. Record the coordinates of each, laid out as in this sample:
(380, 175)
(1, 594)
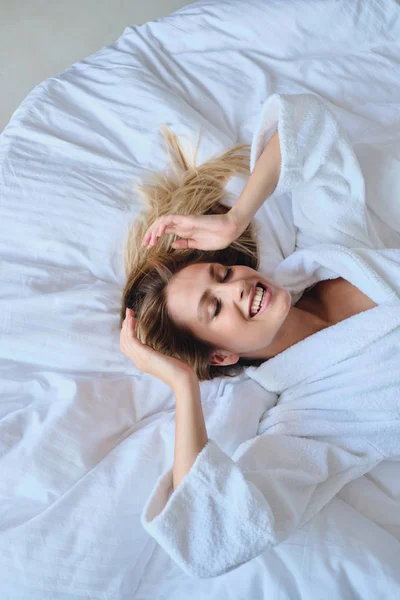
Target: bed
(84, 435)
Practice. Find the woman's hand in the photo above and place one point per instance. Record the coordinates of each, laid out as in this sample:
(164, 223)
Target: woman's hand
(170, 370)
(203, 232)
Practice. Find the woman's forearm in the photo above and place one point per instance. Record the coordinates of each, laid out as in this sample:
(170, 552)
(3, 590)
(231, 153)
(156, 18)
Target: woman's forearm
(261, 184)
(190, 429)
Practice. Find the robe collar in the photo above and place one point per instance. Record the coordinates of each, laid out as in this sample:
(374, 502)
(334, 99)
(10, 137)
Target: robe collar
(325, 348)
(362, 267)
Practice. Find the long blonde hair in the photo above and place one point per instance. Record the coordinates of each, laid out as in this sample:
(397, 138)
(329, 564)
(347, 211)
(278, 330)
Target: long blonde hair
(191, 190)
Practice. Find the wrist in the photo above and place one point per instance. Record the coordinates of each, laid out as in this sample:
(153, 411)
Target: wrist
(186, 385)
(239, 220)
(184, 380)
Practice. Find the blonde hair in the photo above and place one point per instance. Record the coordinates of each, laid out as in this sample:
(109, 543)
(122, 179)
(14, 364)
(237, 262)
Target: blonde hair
(191, 190)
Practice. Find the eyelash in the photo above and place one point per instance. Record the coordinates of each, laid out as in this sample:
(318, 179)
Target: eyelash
(218, 303)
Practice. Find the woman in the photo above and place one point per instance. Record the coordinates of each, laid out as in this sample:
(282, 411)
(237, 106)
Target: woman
(201, 314)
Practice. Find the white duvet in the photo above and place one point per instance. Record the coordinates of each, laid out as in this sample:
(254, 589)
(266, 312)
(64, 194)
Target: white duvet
(83, 435)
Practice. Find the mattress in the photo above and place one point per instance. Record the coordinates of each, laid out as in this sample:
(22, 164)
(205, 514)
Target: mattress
(84, 435)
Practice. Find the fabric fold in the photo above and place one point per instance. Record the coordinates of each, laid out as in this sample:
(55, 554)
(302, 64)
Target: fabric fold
(320, 169)
(228, 510)
(217, 489)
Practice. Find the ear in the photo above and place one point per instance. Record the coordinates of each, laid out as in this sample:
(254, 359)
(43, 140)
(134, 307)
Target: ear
(221, 358)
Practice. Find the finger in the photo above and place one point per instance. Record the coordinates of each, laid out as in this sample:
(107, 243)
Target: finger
(129, 328)
(168, 228)
(154, 234)
(126, 321)
(164, 224)
(132, 327)
(128, 336)
(161, 231)
(179, 224)
(184, 244)
(148, 234)
(176, 230)
(179, 244)
(165, 228)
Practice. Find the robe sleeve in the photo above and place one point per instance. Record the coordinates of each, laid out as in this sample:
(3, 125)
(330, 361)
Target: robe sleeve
(320, 169)
(227, 511)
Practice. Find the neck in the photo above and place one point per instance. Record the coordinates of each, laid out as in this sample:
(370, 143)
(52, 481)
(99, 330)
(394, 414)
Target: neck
(299, 324)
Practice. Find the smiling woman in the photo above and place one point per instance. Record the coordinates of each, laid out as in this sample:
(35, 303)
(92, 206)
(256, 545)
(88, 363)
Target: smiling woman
(165, 280)
(197, 305)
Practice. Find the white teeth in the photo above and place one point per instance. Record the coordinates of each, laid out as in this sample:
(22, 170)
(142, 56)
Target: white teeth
(257, 300)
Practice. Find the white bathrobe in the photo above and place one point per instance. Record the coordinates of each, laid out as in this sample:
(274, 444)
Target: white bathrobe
(334, 408)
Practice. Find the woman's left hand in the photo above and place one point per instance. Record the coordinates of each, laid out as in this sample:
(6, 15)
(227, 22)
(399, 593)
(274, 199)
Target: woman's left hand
(203, 232)
(167, 368)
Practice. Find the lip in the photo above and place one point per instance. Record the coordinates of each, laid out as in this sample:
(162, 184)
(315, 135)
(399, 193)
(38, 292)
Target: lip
(266, 301)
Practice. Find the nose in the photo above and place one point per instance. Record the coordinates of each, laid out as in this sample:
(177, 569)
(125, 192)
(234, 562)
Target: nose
(236, 291)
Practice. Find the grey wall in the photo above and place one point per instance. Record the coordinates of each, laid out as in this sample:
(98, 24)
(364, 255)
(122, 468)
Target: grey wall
(39, 38)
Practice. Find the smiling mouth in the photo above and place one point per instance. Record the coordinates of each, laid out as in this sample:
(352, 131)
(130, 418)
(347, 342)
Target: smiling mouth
(264, 288)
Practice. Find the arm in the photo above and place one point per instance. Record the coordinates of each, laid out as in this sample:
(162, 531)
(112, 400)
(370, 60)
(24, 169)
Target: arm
(298, 147)
(261, 184)
(190, 430)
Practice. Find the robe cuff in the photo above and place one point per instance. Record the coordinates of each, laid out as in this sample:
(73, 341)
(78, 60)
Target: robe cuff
(214, 521)
(279, 113)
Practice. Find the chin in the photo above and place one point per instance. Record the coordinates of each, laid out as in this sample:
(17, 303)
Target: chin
(285, 304)
(281, 303)
(289, 299)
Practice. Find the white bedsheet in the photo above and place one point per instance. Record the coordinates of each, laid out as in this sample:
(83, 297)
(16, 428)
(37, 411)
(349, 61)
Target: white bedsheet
(84, 435)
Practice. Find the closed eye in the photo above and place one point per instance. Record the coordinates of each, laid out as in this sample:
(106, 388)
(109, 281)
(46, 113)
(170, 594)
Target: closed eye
(218, 302)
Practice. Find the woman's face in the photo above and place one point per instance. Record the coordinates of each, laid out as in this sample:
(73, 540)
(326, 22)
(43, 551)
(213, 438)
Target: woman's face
(223, 317)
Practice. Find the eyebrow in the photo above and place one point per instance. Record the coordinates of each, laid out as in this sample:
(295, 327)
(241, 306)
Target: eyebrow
(205, 298)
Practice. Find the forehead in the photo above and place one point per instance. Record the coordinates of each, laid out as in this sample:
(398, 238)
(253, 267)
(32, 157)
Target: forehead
(185, 290)
(187, 278)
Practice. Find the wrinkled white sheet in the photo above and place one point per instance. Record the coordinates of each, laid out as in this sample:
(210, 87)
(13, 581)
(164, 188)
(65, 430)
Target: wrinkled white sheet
(83, 435)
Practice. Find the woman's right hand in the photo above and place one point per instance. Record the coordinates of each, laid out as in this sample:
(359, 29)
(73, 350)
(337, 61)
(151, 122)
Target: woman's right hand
(203, 232)
(168, 369)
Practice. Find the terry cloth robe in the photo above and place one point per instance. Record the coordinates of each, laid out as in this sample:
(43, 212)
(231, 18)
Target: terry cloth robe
(335, 408)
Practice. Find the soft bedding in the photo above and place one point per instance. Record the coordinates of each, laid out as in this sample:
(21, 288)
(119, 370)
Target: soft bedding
(84, 436)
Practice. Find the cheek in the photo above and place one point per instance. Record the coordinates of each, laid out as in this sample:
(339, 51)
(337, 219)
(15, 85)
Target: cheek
(232, 324)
